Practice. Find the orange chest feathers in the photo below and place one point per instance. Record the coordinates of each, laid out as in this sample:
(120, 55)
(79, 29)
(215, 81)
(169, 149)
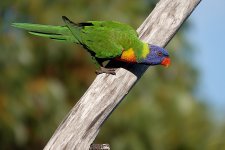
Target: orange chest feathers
(128, 56)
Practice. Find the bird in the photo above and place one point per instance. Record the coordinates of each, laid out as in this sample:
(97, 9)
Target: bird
(104, 40)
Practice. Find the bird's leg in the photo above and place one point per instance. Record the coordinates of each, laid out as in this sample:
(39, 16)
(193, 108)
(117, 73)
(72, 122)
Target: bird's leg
(101, 69)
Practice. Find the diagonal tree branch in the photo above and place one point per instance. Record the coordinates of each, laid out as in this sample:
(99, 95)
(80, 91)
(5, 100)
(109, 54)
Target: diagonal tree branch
(83, 122)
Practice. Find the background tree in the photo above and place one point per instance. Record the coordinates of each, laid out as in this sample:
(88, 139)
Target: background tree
(41, 79)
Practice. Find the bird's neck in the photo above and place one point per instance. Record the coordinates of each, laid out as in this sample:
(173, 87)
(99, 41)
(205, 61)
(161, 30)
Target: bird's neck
(141, 52)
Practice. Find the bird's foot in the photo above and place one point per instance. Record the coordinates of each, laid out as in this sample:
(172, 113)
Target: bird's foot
(106, 70)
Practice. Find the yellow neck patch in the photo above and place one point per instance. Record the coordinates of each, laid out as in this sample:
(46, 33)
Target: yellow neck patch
(128, 55)
(145, 50)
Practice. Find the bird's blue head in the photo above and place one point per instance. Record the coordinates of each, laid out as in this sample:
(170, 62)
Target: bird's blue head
(157, 56)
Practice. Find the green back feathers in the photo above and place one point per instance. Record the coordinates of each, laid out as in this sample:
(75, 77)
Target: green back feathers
(106, 39)
(109, 38)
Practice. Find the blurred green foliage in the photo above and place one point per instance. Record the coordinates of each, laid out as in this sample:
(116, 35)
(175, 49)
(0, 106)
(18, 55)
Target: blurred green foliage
(40, 80)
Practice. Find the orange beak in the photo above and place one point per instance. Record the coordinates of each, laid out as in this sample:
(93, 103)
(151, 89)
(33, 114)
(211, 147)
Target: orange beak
(166, 62)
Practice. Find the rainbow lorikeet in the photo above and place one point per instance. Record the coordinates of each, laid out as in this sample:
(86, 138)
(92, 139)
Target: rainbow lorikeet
(104, 40)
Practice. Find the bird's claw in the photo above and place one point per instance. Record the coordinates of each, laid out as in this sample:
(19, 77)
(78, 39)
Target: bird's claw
(106, 70)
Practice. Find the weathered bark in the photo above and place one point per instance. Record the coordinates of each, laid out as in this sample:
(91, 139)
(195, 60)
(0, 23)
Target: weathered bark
(83, 122)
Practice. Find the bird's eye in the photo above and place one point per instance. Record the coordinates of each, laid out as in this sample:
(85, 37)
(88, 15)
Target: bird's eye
(159, 53)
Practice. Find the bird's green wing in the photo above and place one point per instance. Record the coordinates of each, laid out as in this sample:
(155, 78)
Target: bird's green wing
(102, 42)
(104, 39)
(108, 39)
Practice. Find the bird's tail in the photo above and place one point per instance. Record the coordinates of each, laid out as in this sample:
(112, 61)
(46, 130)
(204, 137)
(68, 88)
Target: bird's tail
(60, 33)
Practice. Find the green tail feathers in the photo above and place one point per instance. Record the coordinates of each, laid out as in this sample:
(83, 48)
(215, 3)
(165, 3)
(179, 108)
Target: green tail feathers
(61, 33)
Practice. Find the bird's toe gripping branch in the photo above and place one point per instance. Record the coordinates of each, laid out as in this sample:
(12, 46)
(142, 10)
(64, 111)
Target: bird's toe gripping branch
(106, 70)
